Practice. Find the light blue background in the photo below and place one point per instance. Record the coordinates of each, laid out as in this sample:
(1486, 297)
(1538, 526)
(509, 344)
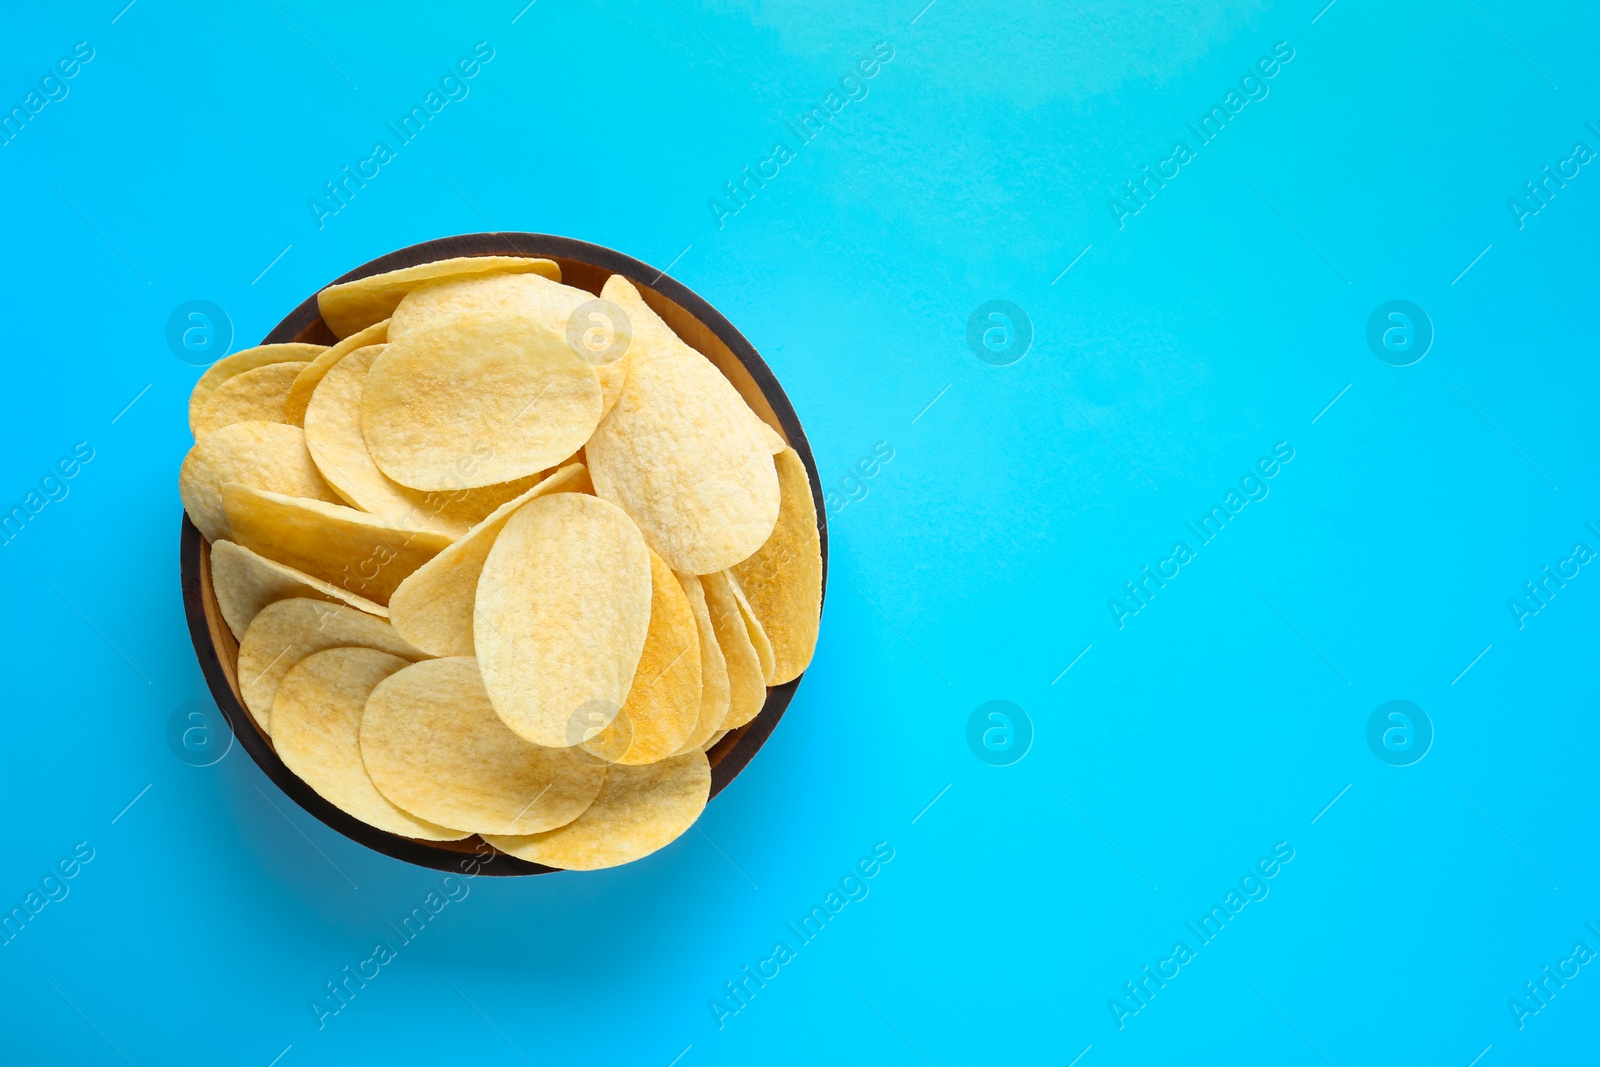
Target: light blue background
(1222, 719)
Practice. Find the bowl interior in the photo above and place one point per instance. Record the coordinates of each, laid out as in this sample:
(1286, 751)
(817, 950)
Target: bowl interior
(586, 267)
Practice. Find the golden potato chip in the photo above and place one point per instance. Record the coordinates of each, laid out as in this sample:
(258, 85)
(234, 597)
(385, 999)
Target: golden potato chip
(351, 306)
(245, 582)
(683, 454)
(254, 396)
(783, 580)
(238, 363)
(349, 548)
(305, 383)
(715, 740)
(333, 434)
(663, 702)
(266, 455)
(747, 682)
(475, 400)
(638, 810)
(317, 713)
(642, 320)
(284, 633)
(715, 392)
(563, 606)
(434, 746)
(714, 692)
(433, 607)
(597, 330)
(758, 635)
(529, 295)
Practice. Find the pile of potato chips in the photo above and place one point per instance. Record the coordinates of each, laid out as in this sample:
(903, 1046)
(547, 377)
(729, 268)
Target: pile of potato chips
(505, 560)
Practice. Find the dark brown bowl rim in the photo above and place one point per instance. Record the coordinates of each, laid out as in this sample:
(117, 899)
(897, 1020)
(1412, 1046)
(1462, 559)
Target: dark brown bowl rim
(730, 756)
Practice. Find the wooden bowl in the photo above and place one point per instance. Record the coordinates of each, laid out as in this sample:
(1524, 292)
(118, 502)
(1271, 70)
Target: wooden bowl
(584, 266)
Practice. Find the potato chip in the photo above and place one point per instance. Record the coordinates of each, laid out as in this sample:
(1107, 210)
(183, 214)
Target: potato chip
(714, 692)
(285, 633)
(434, 746)
(597, 330)
(238, 363)
(572, 312)
(716, 739)
(783, 580)
(348, 548)
(476, 399)
(254, 396)
(245, 582)
(643, 323)
(351, 306)
(563, 606)
(317, 713)
(532, 296)
(747, 682)
(638, 810)
(305, 383)
(663, 703)
(714, 390)
(433, 607)
(333, 434)
(758, 634)
(683, 454)
(266, 455)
